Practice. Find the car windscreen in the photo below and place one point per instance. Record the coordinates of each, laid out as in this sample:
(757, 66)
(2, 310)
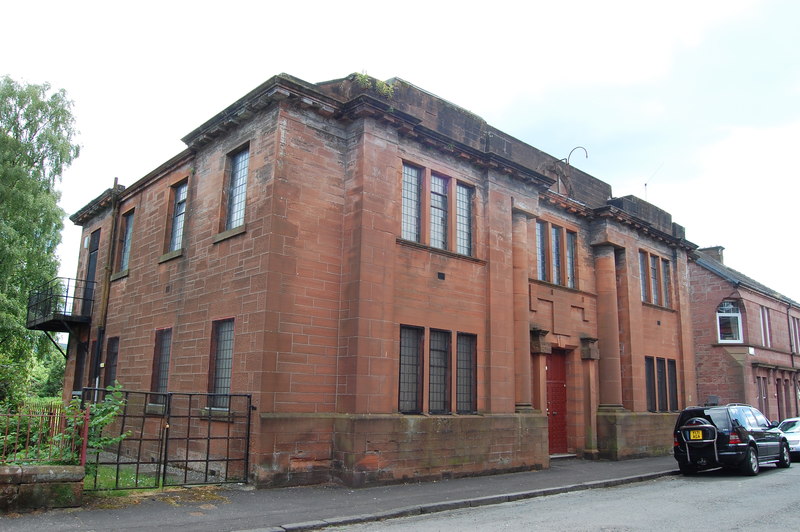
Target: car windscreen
(790, 426)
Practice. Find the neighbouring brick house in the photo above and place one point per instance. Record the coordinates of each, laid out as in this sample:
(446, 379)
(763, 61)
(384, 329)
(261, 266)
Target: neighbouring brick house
(747, 338)
(406, 291)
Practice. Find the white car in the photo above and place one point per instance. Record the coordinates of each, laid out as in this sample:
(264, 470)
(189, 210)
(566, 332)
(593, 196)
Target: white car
(791, 427)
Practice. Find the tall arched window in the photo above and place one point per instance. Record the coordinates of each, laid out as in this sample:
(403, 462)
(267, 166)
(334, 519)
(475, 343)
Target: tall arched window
(729, 322)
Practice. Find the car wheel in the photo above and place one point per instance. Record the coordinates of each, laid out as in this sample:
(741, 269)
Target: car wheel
(687, 469)
(785, 459)
(750, 464)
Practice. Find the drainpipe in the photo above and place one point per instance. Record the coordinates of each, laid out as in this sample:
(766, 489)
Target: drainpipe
(106, 287)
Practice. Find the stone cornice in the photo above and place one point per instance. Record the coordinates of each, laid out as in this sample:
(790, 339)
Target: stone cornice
(615, 214)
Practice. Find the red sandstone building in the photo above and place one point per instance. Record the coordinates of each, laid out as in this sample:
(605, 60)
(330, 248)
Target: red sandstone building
(747, 339)
(406, 291)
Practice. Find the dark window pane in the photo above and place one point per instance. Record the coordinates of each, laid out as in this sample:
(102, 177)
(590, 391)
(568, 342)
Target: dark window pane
(464, 219)
(161, 365)
(223, 362)
(572, 246)
(112, 352)
(643, 275)
(178, 213)
(661, 373)
(439, 396)
(237, 189)
(541, 250)
(410, 356)
(411, 203)
(466, 385)
(439, 212)
(127, 234)
(673, 385)
(650, 383)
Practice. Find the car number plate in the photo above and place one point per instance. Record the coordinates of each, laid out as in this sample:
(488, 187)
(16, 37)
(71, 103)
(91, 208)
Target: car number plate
(695, 434)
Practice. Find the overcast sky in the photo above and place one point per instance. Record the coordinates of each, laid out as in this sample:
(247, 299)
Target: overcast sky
(691, 105)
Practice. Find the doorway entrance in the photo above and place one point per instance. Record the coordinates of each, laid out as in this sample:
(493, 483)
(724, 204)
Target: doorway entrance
(556, 376)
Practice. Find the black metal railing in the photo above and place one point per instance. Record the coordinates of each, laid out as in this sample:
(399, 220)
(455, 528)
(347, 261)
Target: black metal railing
(59, 300)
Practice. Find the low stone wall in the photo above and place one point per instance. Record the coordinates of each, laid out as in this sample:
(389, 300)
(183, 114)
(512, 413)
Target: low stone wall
(622, 434)
(360, 450)
(30, 487)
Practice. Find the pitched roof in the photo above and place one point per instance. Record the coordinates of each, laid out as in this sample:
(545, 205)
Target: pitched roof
(738, 278)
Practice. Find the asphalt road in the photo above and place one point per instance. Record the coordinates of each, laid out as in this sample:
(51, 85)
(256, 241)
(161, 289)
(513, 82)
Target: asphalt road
(714, 500)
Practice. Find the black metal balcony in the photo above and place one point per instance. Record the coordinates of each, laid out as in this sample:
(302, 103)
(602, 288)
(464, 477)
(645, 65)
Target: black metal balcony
(60, 304)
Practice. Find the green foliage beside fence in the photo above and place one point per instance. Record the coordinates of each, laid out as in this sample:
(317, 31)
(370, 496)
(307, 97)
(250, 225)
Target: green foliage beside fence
(41, 431)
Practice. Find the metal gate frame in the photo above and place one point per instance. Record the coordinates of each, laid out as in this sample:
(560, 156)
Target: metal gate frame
(172, 439)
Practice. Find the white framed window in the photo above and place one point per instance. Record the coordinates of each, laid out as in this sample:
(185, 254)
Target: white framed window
(729, 322)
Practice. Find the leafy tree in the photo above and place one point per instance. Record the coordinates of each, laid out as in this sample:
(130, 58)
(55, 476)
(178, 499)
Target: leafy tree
(36, 146)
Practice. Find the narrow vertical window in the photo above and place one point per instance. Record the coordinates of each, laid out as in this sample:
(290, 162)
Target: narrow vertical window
(125, 243)
(766, 336)
(439, 212)
(411, 203)
(672, 377)
(555, 253)
(410, 400)
(112, 351)
(160, 378)
(439, 390)
(541, 250)
(666, 283)
(643, 275)
(178, 212)
(661, 377)
(237, 189)
(650, 383)
(464, 219)
(222, 355)
(654, 280)
(795, 334)
(571, 249)
(466, 376)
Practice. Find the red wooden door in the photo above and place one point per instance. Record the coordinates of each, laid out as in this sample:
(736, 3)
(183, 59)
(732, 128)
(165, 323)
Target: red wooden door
(557, 402)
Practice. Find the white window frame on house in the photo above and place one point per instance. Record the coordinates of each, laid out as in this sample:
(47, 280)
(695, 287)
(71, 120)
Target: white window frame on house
(725, 311)
(556, 254)
(429, 215)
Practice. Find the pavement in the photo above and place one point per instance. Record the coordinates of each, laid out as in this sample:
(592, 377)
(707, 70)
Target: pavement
(240, 508)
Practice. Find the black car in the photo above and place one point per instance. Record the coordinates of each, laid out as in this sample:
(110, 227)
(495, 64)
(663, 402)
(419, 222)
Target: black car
(735, 436)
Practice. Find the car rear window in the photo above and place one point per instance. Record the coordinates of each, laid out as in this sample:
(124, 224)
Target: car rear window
(720, 418)
(717, 416)
(790, 426)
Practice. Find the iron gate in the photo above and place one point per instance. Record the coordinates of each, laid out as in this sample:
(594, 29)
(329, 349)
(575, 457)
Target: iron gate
(171, 439)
